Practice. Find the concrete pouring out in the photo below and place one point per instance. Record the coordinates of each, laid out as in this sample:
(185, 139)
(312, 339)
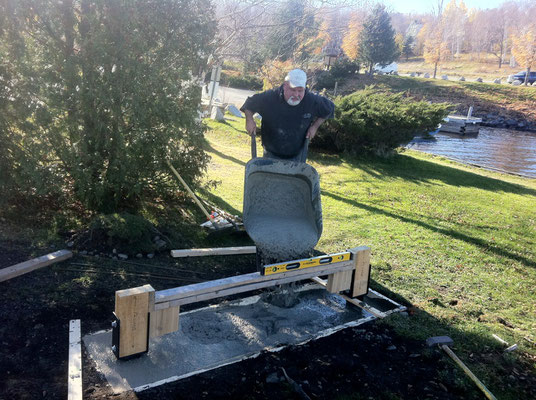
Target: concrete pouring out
(226, 333)
(282, 209)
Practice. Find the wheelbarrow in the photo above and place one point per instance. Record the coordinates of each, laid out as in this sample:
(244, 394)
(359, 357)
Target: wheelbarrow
(282, 211)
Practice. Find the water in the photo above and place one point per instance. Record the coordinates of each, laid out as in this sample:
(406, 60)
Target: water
(501, 149)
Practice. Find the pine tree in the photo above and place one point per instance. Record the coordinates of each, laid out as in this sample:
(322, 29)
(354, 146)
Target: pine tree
(377, 40)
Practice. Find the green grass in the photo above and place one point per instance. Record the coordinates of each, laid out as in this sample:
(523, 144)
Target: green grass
(470, 66)
(455, 243)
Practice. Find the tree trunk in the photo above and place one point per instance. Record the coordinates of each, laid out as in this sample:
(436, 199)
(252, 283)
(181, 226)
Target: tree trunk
(435, 69)
(527, 76)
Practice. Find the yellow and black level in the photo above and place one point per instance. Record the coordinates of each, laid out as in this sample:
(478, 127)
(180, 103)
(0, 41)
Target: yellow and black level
(305, 263)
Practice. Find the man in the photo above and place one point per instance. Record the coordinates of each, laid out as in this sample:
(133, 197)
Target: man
(290, 115)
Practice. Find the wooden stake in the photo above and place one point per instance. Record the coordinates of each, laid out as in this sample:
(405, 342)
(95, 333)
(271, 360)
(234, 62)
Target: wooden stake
(164, 321)
(132, 309)
(339, 282)
(75, 362)
(33, 264)
(362, 271)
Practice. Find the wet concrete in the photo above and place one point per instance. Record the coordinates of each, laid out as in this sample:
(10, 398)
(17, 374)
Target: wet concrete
(219, 335)
(282, 210)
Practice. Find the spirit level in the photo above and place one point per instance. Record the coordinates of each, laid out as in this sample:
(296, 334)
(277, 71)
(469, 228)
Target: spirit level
(305, 263)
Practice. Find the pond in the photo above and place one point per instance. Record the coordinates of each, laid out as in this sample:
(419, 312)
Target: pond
(500, 149)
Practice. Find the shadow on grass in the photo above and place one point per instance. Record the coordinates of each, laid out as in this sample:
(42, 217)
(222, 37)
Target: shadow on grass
(422, 171)
(225, 156)
(219, 202)
(448, 232)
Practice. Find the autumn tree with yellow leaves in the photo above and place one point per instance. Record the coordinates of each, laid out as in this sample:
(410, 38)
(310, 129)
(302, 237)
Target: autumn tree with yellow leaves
(524, 49)
(350, 40)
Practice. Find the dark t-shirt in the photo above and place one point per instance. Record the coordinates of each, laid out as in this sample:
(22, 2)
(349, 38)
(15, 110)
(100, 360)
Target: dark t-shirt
(284, 127)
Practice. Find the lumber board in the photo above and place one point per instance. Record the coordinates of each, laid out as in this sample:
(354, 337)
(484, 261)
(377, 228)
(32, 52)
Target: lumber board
(362, 271)
(218, 251)
(132, 309)
(33, 264)
(367, 307)
(261, 282)
(74, 384)
(163, 322)
(246, 279)
(339, 282)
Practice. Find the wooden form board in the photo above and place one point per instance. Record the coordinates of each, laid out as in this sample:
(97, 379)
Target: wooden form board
(134, 306)
(33, 264)
(218, 251)
(74, 385)
(367, 307)
(362, 271)
(240, 284)
(132, 309)
(163, 322)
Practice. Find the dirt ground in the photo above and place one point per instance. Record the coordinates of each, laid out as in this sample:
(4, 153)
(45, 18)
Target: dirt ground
(367, 362)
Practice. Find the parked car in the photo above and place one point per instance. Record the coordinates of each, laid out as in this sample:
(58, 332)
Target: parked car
(520, 76)
(386, 69)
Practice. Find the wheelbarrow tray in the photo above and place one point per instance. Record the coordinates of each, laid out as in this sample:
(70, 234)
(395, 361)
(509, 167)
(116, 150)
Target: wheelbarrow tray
(282, 208)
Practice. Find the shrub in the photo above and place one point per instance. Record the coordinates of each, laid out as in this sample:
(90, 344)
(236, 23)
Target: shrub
(341, 70)
(369, 121)
(125, 232)
(250, 82)
(96, 96)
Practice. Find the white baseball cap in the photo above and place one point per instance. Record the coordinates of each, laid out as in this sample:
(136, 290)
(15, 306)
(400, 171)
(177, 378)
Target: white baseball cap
(296, 78)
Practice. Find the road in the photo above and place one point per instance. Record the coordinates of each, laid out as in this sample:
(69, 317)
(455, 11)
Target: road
(233, 96)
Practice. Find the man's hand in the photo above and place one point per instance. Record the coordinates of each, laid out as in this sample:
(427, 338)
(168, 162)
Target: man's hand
(251, 125)
(311, 132)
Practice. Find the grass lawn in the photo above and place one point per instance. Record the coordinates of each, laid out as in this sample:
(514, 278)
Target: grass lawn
(455, 243)
(471, 66)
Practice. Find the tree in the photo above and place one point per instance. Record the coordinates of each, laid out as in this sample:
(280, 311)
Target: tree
(407, 46)
(377, 40)
(524, 49)
(435, 49)
(109, 93)
(289, 37)
(350, 40)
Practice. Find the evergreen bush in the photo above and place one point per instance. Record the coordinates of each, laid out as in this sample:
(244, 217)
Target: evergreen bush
(340, 71)
(369, 121)
(125, 232)
(96, 95)
(249, 82)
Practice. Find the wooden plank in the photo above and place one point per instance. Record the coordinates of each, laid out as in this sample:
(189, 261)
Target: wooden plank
(132, 309)
(163, 302)
(339, 282)
(74, 383)
(355, 302)
(218, 251)
(362, 271)
(246, 279)
(164, 321)
(33, 264)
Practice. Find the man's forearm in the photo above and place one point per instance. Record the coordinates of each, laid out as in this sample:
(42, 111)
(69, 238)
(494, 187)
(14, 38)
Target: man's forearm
(318, 122)
(251, 125)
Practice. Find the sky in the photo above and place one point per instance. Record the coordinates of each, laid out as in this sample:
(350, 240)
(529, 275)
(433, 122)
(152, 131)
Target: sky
(424, 6)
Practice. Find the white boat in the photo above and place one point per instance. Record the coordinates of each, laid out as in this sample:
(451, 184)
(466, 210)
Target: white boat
(460, 124)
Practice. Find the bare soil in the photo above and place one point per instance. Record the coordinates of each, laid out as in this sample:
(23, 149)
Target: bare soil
(366, 362)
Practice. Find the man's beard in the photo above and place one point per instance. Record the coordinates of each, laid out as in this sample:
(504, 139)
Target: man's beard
(293, 102)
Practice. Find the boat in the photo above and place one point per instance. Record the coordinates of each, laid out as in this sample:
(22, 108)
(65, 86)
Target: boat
(460, 124)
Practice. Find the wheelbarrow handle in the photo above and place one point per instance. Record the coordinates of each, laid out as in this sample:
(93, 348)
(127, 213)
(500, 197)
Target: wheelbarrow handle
(253, 146)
